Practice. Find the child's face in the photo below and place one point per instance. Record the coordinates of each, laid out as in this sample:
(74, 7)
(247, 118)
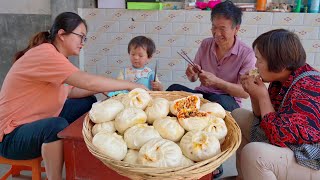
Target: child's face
(138, 57)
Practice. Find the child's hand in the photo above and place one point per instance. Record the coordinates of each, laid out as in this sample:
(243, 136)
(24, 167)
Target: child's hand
(156, 86)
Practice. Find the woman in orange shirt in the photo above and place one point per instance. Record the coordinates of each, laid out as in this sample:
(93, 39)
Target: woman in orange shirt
(44, 92)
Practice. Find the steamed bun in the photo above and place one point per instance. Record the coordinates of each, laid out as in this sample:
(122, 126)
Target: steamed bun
(169, 128)
(160, 153)
(132, 156)
(199, 145)
(128, 118)
(193, 120)
(139, 134)
(189, 102)
(157, 108)
(105, 127)
(218, 127)
(214, 109)
(111, 145)
(105, 111)
(138, 98)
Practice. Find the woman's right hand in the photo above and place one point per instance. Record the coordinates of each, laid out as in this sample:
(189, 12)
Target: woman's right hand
(253, 86)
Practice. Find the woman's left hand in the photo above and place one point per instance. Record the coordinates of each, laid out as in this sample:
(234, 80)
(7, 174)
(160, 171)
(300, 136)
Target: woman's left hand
(254, 86)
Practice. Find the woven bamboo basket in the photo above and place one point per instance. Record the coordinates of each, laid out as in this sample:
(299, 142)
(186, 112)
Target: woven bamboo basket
(195, 171)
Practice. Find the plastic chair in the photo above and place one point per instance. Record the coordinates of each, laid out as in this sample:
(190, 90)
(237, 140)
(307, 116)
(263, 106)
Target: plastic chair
(33, 165)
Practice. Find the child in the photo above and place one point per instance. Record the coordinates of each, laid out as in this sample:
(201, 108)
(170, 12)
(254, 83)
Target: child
(140, 50)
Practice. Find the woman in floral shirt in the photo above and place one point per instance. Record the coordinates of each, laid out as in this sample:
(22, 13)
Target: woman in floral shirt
(284, 128)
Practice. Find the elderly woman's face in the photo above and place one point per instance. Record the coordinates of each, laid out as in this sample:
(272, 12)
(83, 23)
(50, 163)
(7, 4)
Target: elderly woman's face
(265, 74)
(262, 66)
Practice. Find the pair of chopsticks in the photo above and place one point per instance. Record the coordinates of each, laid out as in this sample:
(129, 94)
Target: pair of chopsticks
(185, 56)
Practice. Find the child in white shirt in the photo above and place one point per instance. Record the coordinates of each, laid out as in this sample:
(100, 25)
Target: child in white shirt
(141, 50)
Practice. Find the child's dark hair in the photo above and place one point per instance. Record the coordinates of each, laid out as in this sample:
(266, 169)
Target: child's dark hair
(68, 21)
(144, 42)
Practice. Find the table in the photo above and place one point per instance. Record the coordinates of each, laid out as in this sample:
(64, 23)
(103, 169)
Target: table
(80, 163)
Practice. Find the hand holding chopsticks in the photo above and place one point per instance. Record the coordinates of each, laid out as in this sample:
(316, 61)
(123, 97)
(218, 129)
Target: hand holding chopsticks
(188, 59)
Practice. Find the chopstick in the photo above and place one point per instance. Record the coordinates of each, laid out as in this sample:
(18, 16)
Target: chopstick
(104, 94)
(190, 60)
(187, 58)
(155, 71)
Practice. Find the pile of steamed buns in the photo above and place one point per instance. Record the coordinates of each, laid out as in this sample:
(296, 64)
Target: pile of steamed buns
(156, 132)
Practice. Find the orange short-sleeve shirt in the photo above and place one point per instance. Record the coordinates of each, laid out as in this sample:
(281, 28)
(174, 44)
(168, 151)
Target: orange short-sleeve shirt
(34, 87)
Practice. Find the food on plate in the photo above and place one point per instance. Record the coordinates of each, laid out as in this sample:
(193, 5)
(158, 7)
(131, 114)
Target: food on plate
(160, 153)
(139, 134)
(105, 111)
(128, 118)
(193, 119)
(157, 108)
(199, 145)
(189, 102)
(169, 128)
(111, 145)
(105, 127)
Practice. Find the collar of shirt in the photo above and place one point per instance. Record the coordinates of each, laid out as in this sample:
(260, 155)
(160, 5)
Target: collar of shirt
(277, 89)
(138, 68)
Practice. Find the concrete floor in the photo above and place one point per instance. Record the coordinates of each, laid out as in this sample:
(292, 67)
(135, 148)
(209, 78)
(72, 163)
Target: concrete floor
(228, 168)
(25, 175)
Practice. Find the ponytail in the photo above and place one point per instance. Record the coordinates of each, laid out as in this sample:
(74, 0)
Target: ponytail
(36, 40)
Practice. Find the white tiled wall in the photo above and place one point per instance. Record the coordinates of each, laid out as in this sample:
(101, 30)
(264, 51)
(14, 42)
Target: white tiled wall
(110, 31)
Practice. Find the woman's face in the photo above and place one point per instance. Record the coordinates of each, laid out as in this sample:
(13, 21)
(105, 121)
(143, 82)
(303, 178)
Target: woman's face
(75, 40)
(265, 74)
(262, 66)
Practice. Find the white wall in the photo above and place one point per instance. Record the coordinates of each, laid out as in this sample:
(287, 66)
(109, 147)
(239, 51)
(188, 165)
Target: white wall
(25, 7)
(110, 30)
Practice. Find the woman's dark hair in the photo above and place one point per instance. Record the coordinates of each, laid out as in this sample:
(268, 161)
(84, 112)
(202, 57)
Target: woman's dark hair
(282, 49)
(228, 10)
(68, 21)
(144, 42)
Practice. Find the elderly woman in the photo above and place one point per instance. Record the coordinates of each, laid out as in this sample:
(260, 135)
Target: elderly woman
(284, 128)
